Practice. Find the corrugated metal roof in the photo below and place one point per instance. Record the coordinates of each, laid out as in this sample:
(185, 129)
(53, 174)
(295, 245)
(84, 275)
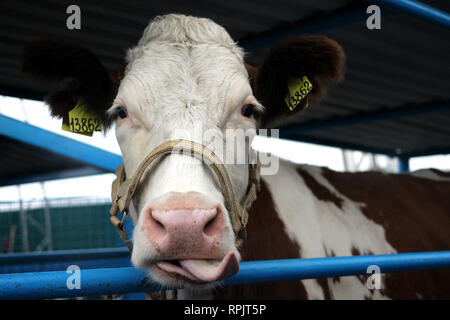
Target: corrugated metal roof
(404, 64)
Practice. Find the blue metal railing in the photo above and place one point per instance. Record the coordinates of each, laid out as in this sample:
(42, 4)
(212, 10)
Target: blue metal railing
(20, 131)
(60, 260)
(40, 285)
(419, 10)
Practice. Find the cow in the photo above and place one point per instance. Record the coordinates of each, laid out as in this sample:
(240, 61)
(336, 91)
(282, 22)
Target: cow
(187, 73)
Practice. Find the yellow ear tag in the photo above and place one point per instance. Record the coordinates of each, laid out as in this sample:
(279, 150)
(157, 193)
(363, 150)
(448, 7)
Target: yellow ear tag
(80, 120)
(298, 89)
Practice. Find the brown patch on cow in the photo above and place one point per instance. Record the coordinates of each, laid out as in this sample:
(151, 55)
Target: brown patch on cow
(252, 72)
(320, 192)
(415, 215)
(323, 283)
(117, 75)
(336, 279)
(266, 240)
(355, 252)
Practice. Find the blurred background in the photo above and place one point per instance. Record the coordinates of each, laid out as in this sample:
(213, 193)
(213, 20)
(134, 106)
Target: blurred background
(391, 113)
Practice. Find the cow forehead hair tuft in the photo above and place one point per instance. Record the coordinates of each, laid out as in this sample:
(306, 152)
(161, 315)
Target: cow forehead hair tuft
(185, 30)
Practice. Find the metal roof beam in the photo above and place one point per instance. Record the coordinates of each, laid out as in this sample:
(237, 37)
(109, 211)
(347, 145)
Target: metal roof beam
(338, 18)
(343, 17)
(420, 10)
(54, 175)
(366, 117)
(21, 92)
(26, 133)
(428, 152)
(336, 144)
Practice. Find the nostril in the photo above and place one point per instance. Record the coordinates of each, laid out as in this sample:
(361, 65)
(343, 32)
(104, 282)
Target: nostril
(154, 225)
(213, 224)
(159, 224)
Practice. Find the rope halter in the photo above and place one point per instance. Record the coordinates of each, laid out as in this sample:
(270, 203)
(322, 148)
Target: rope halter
(123, 188)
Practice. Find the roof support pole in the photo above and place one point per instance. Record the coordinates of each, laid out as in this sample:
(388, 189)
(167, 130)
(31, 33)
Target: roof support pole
(23, 218)
(419, 10)
(403, 164)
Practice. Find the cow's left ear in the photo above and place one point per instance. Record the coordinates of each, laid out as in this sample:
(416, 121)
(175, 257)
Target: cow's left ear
(318, 58)
(76, 73)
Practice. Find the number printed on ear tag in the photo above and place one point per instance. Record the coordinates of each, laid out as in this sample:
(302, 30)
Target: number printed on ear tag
(67, 127)
(81, 121)
(297, 91)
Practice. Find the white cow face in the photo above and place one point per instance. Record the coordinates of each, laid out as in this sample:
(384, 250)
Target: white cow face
(186, 79)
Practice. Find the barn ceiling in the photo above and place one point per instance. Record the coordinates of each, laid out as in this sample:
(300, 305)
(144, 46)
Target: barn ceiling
(395, 98)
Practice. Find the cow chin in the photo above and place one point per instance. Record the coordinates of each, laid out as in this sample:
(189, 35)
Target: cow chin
(185, 239)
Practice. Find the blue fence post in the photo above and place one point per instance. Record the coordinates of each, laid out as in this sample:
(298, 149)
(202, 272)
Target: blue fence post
(403, 164)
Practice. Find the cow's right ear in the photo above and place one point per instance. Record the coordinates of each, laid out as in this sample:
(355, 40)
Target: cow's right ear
(75, 72)
(295, 71)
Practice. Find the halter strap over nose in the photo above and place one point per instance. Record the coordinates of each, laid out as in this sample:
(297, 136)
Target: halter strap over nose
(123, 189)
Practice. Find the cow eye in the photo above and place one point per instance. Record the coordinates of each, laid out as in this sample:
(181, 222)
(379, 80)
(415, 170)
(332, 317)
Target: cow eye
(248, 110)
(122, 112)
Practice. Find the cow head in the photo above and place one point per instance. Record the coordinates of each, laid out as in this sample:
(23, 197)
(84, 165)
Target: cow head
(186, 79)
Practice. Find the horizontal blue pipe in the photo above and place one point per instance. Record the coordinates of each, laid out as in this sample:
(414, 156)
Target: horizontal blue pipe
(51, 175)
(419, 10)
(126, 280)
(59, 144)
(60, 260)
(63, 255)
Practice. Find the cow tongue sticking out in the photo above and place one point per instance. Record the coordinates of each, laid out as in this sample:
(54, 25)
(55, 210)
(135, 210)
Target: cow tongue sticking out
(203, 270)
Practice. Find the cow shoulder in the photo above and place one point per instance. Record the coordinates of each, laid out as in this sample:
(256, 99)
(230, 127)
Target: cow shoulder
(414, 215)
